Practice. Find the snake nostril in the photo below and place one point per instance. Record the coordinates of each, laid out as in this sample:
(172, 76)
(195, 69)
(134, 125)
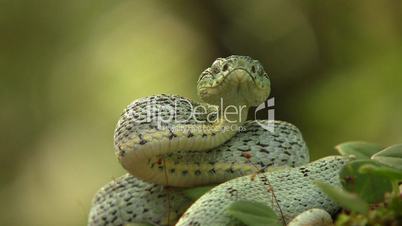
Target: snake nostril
(253, 69)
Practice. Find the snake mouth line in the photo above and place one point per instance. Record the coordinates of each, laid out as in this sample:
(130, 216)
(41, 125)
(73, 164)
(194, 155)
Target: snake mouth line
(238, 83)
(226, 83)
(243, 69)
(231, 73)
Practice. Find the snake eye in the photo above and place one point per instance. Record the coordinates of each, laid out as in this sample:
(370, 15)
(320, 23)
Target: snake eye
(225, 67)
(253, 69)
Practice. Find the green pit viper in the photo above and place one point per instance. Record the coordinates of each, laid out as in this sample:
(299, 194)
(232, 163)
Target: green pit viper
(168, 143)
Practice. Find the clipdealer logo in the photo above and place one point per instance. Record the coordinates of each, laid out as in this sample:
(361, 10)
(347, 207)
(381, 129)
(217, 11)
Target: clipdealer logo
(181, 111)
(268, 106)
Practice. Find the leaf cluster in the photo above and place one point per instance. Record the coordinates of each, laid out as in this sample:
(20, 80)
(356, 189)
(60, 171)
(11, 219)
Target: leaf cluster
(370, 194)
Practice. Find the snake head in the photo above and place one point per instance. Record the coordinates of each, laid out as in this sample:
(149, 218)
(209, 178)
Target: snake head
(234, 80)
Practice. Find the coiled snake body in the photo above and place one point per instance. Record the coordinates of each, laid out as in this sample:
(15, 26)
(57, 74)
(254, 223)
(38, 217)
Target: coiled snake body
(168, 142)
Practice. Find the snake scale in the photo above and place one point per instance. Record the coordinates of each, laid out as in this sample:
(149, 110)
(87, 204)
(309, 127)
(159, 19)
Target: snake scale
(168, 143)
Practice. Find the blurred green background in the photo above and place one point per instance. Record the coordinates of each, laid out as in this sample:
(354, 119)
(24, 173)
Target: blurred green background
(68, 68)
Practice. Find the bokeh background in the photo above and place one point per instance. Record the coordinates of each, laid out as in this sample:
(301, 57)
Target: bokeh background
(68, 68)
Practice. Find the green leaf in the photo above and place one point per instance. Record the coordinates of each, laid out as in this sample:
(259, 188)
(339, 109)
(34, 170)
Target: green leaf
(360, 149)
(253, 213)
(343, 198)
(391, 156)
(197, 192)
(369, 186)
(389, 172)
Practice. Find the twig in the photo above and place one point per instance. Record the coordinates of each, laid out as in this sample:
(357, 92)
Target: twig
(271, 189)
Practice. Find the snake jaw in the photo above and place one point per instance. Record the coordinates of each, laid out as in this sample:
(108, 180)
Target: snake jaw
(239, 87)
(235, 80)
